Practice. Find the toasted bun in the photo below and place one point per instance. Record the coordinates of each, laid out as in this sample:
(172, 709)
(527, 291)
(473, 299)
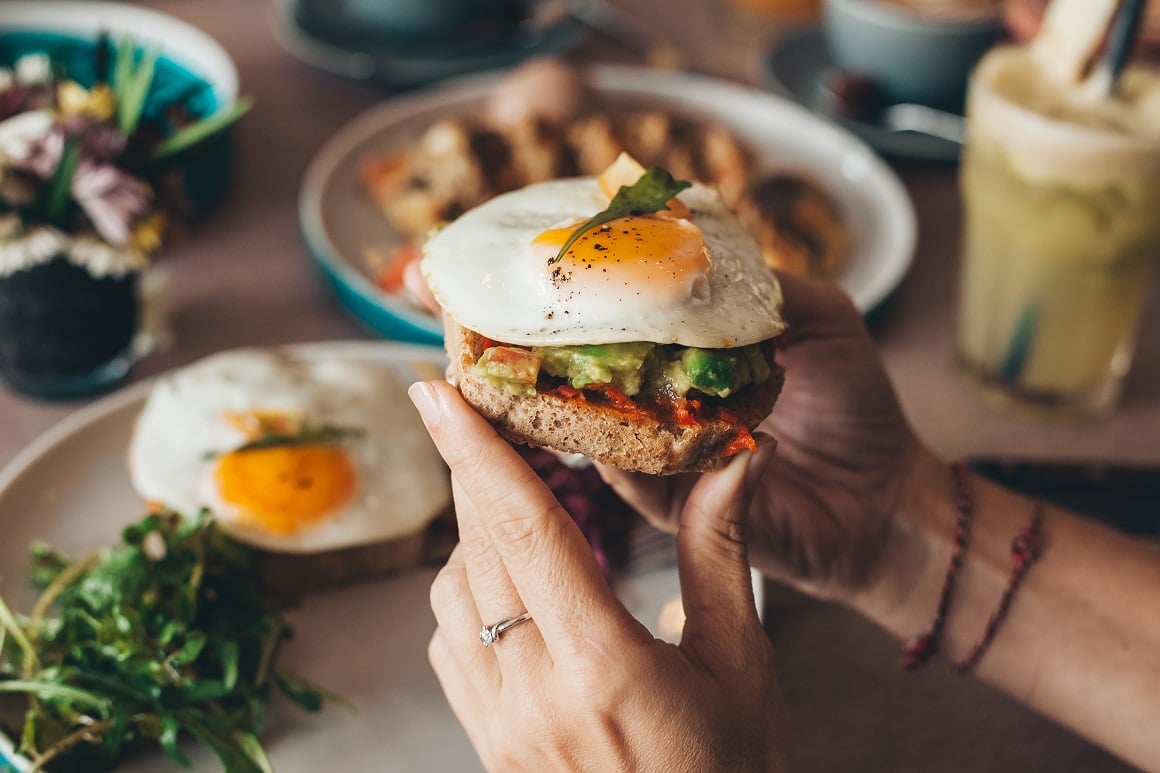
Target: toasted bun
(294, 574)
(601, 432)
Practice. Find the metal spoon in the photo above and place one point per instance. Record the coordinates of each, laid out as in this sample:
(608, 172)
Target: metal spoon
(858, 98)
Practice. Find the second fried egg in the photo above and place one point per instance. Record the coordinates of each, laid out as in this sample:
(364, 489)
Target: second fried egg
(289, 453)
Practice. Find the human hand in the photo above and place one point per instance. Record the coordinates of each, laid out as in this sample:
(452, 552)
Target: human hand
(845, 454)
(585, 686)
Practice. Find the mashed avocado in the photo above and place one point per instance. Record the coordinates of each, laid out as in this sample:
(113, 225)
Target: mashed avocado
(632, 368)
(621, 365)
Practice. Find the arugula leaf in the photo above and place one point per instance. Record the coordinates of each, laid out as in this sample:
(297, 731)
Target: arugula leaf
(649, 194)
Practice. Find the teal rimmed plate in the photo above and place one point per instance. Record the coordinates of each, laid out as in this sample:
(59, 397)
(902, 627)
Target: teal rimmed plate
(340, 223)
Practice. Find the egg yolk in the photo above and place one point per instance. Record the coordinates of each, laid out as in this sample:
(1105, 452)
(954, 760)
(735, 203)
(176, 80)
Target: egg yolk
(663, 256)
(284, 489)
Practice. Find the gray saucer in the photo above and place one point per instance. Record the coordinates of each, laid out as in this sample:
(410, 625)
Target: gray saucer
(793, 67)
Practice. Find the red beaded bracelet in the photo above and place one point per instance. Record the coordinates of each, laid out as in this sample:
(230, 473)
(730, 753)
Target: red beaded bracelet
(1025, 549)
(918, 649)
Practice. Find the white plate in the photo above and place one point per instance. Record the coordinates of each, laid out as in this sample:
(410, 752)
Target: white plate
(367, 643)
(339, 221)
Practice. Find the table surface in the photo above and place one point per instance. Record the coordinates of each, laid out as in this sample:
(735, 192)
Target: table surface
(245, 279)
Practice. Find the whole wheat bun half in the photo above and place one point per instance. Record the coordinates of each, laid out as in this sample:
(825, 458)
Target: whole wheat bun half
(602, 433)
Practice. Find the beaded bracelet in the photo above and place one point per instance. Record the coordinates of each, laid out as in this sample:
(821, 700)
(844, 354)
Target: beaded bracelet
(1025, 549)
(918, 649)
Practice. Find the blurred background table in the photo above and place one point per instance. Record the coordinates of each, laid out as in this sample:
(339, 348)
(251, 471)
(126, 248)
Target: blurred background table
(246, 279)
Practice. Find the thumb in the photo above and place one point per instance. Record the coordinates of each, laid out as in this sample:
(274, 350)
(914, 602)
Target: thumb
(721, 622)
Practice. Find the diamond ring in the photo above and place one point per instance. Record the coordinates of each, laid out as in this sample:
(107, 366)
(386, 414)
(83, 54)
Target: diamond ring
(491, 633)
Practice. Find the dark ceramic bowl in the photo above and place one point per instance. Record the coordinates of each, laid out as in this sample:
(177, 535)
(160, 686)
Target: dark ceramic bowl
(913, 57)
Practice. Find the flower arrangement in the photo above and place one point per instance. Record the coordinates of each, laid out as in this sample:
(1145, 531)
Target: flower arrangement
(83, 165)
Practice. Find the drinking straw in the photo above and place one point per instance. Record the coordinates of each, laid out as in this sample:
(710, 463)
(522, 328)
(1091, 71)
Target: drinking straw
(1019, 346)
(1121, 38)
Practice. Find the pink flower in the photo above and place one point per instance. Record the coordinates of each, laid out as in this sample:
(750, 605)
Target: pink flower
(111, 199)
(22, 137)
(44, 156)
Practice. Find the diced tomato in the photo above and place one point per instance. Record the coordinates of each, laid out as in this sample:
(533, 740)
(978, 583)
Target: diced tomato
(621, 401)
(390, 279)
(381, 175)
(728, 416)
(686, 412)
(742, 441)
(521, 364)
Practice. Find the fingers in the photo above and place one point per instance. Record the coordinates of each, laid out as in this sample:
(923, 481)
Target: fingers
(459, 621)
(417, 285)
(721, 617)
(468, 702)
(468, 674)
(491, 591)
(811, 305)
(547, 559)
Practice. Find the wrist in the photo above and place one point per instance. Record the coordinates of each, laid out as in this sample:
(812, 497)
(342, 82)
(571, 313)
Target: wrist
(904, 587)
(920, 547)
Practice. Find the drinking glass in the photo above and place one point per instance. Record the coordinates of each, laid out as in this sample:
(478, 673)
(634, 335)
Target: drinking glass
(1062, 206)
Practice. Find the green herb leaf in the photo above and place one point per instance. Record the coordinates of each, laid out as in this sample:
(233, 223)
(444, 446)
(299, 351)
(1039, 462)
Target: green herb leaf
(253, 747)
(325, 434)
(649, 194)
(219, 736)
(46, 564)
(53, 691)
(190, 649)
(169, 738)
(229, 656)
(299, 690)
(190, 135)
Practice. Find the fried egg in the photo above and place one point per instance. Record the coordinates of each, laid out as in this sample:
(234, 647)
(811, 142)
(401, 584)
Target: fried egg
(291, 454)
(699, 281)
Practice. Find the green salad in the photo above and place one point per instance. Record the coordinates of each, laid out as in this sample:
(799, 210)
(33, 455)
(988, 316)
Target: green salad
(164, 636)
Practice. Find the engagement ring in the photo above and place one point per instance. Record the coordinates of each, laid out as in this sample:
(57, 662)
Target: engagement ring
(491, 633)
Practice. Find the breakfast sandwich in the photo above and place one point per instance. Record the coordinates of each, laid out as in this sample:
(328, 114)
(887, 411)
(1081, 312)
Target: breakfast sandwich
(630, 318)
(315, 463)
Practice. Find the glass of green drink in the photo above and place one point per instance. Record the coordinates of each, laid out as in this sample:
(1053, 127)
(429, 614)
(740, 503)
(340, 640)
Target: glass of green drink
(1062, 201)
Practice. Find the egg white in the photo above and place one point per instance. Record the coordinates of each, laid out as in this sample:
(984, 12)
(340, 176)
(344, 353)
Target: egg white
(478, 270)
(401, 481)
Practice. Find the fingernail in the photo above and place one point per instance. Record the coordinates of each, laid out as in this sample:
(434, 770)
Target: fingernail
(738, 465)
(766, 444)
(426, 402)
